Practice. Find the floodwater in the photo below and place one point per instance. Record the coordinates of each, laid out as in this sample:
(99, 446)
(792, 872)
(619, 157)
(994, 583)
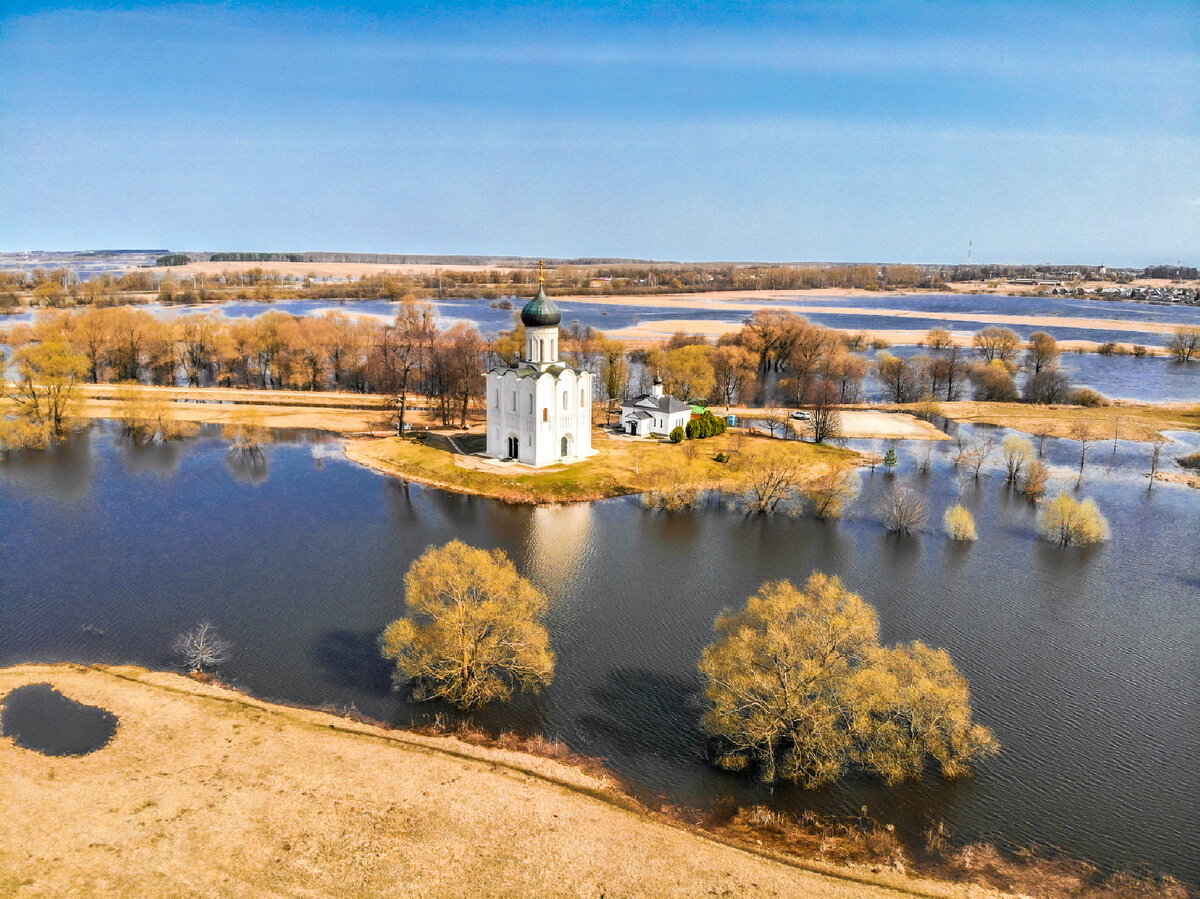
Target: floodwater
(40, 718)
(1086, 663)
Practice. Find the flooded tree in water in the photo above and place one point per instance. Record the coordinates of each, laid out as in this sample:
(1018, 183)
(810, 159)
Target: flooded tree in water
(960, 523)
(201, 648)
(1018, 456)
(475, 632)
(799, 687)
(1068, 522)
(1083, 433)
(830, 489)
(903, 509)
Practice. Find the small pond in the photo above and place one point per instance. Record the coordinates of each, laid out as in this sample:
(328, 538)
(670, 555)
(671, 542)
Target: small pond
(39, 718)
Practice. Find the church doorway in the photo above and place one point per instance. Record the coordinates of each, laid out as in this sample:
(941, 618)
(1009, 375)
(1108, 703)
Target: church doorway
(633, 428)
(514, 447)
(566, 446)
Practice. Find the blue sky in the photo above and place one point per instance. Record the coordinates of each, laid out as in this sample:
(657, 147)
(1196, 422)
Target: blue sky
(749, 131)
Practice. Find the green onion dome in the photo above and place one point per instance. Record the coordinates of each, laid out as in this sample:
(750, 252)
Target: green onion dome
(540, 312)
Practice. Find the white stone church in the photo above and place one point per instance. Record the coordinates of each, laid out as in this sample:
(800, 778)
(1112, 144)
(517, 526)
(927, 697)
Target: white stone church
(539, 409)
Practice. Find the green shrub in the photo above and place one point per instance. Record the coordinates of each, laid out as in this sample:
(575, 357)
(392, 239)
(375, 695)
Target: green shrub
(677, 435)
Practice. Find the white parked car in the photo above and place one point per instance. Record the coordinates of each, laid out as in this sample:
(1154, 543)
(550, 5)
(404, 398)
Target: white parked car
(801, 415)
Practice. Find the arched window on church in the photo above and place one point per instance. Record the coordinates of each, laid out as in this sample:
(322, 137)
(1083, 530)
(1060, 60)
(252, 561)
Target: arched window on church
(564, 401)
(545, 414)
(581, 399)
(531, 404)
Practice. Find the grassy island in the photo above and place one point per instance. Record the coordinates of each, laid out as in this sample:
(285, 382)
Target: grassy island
(621, 466)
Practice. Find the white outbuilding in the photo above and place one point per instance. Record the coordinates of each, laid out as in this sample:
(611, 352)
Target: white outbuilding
(654, 413)
(539, 409)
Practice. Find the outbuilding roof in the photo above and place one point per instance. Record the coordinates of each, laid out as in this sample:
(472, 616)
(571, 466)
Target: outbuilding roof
(666, 404)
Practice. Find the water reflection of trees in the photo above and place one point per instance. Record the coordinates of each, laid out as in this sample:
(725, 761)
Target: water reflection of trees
(62, 472)
(248, 467)
(155, 457)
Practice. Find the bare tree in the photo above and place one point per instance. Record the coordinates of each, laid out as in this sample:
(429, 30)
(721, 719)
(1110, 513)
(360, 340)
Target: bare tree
(201, 648)
(996, 343)
(1184, 344)
(770, 478)
(1040, 433)
(826, 421)
(974, 455)
(1156, 457)
(830, 489)
(925, 457)
(1082, 431)
(903, 509)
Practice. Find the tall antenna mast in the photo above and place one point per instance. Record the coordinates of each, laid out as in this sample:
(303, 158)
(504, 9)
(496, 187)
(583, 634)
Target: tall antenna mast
(970, 247)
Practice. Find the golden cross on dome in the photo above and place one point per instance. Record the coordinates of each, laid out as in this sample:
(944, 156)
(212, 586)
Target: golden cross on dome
(541, 271)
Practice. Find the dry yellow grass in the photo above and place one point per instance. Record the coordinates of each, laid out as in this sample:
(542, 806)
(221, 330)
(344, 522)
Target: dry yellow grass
(207, 793)
(341, 413)
(621, 466)
(1131, 421)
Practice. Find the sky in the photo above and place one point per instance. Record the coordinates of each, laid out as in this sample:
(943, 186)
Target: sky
(837, 131)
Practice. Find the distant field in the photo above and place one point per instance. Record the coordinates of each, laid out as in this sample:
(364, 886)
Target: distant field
(320, 269)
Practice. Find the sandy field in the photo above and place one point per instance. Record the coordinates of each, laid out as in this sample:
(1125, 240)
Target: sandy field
(863, 423)
(204, 792)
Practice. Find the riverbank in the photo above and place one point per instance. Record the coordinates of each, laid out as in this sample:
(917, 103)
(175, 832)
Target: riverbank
(207, 792)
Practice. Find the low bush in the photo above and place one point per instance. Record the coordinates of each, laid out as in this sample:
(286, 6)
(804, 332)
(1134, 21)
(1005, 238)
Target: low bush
(677, 435)
(1085, 396)
(1192, 461)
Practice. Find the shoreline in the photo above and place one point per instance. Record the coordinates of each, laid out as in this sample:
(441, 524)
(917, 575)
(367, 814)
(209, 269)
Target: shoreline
(259, 781)
(512, 800)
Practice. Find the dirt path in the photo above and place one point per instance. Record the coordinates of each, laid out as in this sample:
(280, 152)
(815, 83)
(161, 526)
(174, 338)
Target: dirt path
(865, 423)
(205, 792)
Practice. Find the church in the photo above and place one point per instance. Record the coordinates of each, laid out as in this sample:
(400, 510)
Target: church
(539, 409)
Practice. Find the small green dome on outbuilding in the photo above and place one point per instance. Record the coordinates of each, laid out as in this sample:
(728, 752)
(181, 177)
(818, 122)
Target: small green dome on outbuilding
(541, 312)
